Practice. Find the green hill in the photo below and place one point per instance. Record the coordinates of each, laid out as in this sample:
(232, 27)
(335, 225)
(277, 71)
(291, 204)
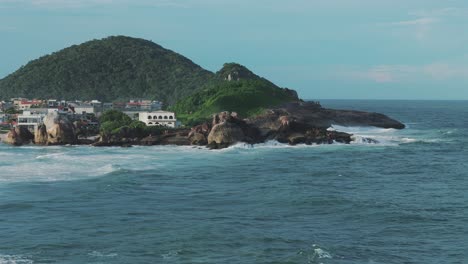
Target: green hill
(119, 68)
(235, 89)
(109, 69)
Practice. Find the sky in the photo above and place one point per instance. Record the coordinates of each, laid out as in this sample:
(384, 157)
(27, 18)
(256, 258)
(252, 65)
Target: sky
(324, 49)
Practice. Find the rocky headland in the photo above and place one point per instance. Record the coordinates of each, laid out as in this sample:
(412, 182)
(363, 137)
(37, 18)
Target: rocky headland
(259, 110)
(292, 123)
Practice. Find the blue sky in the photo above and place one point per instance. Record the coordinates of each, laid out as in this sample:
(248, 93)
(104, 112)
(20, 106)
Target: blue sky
(343, 49)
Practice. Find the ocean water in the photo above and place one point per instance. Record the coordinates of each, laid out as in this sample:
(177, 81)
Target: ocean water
(402, 200)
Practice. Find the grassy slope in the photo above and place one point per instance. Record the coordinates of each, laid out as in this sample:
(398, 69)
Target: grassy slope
(246, 97)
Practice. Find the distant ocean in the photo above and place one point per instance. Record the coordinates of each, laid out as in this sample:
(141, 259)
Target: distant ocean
(403, 200)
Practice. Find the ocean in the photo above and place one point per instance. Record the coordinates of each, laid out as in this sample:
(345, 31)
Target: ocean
(402, 200)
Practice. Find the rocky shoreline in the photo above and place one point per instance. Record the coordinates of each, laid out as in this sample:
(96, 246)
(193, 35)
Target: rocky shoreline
(292, 123)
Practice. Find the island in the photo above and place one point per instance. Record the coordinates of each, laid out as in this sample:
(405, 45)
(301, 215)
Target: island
(216, 110)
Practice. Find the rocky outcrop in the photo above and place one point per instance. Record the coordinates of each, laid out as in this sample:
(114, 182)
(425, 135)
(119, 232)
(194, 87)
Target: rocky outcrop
(177, 139)
(40, 135)
(198, 139)
(312, 114)
(61, 134)
(198, 135)
(278, 125)
(225, 134)
(18, 136)
(229, 129)
(56, 130)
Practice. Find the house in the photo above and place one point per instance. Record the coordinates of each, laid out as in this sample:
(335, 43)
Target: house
(158, 118)
(30, 120)
(143, 105)
(84, 109)
(25, 104)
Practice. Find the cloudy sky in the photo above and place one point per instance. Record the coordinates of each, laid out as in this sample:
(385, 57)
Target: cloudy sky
(343, 49)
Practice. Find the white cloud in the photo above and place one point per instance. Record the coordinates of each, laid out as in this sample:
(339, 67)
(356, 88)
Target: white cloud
(416, 22)
(438, 71)
(422, 22)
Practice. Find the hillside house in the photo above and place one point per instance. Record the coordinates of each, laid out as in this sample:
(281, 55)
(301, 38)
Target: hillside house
(30, 120)
(158, 118)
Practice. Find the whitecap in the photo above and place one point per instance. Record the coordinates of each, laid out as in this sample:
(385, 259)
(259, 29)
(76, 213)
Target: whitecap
(51, 155)
(98, 254)
(14, 259)
(107, 169)
(171, 254)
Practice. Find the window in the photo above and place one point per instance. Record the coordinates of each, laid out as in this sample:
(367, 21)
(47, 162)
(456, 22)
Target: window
(150, 123)
(160, 117)
(165, 117)
(170, 117)
(149, 117)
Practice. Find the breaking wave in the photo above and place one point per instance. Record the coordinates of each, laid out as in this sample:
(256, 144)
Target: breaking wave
(14, 259)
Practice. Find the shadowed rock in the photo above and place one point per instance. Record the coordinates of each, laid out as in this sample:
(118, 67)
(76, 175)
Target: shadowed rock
(18, 136)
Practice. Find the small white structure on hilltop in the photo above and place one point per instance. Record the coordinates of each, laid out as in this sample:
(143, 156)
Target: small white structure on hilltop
(158, 118)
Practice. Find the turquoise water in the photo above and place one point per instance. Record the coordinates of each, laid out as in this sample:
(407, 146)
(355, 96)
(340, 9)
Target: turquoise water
(404, 200)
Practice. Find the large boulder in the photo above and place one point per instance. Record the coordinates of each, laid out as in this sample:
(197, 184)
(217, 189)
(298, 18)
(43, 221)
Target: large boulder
(60, 134)
(18, 136)
(198, 139)
(40, 135)
(226, 133)
(60, 130)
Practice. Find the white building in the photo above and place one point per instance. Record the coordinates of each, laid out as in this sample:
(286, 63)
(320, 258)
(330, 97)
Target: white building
(158, 118)
(85, 109)
(31, 120)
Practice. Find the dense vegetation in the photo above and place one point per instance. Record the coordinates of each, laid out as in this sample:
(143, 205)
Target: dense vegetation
(119, 68)
(245, 93)
(114, 122)
(110, 69)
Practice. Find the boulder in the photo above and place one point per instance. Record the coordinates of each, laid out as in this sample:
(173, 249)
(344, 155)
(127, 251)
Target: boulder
(198, 139)
(296, 138)
(40, 135)
(226, 133)
(60, 134)
(60, 130)
(201, 129)
(18, 136)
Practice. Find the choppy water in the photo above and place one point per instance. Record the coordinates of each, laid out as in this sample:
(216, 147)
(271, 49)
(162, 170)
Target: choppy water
(404, 200)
